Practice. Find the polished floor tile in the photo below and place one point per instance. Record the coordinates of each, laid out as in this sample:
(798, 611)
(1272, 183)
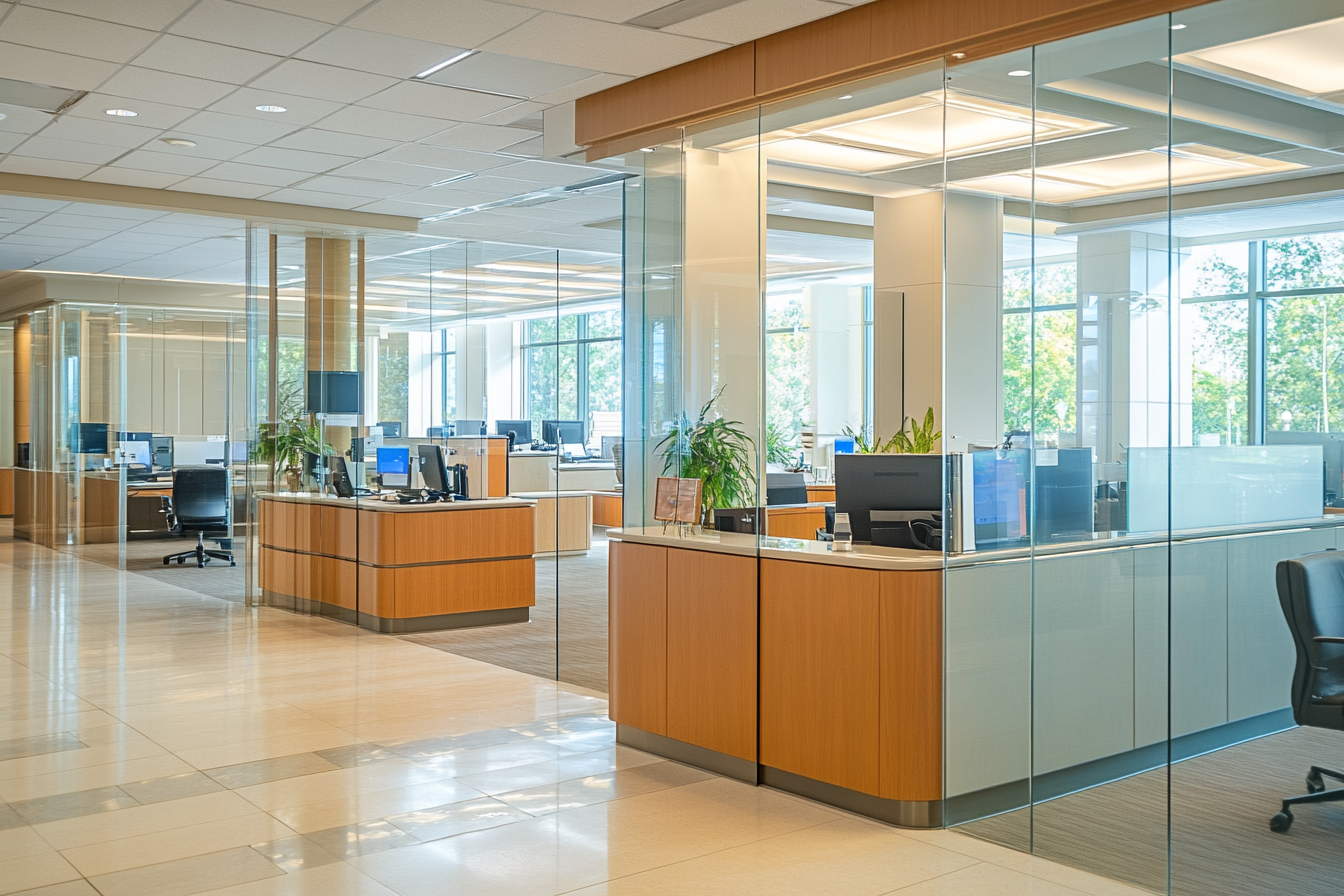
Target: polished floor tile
(159, 742)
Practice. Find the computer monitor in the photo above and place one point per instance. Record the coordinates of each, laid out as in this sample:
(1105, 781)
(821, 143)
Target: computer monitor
(340, 477)
(162, 449)
(394, 466)
(433, 470)
(1000, 477)
(868, 483)
(137, 453)
(335, 392)
(1065, 494)
(391, 429)
(785, 488)
(469, 428)
(88, 438)
(238, 453)
(608, 443)
(437, 432)
(1332, 456)
(521, 429)
(562, 432)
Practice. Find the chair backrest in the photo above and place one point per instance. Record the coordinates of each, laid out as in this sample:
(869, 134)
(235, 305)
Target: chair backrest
(618, 455)
(201, 496)
(1311, 593)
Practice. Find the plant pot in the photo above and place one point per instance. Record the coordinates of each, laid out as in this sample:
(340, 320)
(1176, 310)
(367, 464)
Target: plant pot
(293, 481)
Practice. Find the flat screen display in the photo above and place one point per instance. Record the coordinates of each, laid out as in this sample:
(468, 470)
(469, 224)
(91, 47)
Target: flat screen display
(335, 392)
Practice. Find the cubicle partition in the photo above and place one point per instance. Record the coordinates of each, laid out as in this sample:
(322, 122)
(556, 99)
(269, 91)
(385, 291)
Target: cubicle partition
(1108, 270)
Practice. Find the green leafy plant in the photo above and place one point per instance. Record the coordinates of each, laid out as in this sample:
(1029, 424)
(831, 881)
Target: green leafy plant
(713, 450)
(284, 443)
(920, 439)
(864, 443)
(777, 448)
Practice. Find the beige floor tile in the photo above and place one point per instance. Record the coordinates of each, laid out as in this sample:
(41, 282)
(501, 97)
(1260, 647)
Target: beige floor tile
(79, 887)
(252, 751)
(182, 877)
(66, 760)
(16, 843)
(89, 777)
(33, 871)
(327, 880)
(133, 822)
(983, 879)
(178, 843)
(369, 806)
(347, 782)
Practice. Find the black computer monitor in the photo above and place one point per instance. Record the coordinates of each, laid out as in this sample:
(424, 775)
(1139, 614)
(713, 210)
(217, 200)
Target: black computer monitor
(437, 432)
(391, 429)
(89, 438)
(335, 392)
(562, 432)
(394, 466)
(785, 488)
(469, 428)
(340, 477)
(1065, 495)
(161, 447)
(521, 429)
(433, 470)
(865, 483)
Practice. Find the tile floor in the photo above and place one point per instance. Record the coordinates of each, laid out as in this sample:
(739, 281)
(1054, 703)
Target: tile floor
(158, 742)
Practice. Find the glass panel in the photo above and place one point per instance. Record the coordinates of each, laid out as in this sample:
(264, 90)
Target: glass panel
(1303, 370)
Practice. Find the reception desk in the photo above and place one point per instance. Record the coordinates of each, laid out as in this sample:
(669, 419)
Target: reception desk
(813, 672)
(399, 567)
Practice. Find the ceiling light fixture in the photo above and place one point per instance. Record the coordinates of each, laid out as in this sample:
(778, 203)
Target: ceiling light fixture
(465, 54)
(122, 113)
(646, 149)
(177, 141)
(848, 96)
(1019, 73)
(1177, 27)
(958, 55)
(271, 109)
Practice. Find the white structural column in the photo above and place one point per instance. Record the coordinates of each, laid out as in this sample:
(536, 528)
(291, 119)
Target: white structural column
(1127, 345)
(938, 346)
(722, 303)
(835, 337)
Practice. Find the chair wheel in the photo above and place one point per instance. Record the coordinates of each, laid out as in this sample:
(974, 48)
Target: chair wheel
(1280, 823)
(165, 560)
(1314, 783)
(181, 560)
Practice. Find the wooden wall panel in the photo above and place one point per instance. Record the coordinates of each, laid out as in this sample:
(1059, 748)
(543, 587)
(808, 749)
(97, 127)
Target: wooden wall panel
(711, 651)
(436, 537)
(462, 588)
(819, 672)
(638, 636)
(815, 50)
(608, 510)
(795, 522)
(910, 619)
(336, 532)
(6, 492)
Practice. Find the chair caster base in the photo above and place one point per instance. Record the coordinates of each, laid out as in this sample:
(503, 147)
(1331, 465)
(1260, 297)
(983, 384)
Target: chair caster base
(1281, 822)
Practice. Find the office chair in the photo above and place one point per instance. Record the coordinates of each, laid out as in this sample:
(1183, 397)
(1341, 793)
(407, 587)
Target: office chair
(1311, 592)
(200, 504)
(618, 455)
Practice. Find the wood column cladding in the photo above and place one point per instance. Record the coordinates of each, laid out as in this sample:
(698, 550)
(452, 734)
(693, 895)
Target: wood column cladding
(638, 636)
(873, 39)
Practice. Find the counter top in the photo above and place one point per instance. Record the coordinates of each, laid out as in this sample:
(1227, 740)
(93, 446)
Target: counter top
(862, 557)
(390, 507)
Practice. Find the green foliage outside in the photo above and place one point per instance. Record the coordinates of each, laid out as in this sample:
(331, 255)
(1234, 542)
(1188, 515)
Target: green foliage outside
(1039, 350)
(788, 369)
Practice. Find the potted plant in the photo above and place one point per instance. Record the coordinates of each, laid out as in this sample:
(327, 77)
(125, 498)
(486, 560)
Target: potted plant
(715, 451)
(919, 440)
(284, 443)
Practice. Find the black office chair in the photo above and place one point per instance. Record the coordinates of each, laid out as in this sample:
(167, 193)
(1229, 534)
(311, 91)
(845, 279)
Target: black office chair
(618, 458)
(200, 504)
(1311, 592)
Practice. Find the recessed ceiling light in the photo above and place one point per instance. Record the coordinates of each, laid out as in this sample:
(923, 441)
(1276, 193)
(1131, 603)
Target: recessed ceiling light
(958, 55)
(646, 149)
(465, 54)
(1177, 27)
(1019, 73)
(177, 141)
(122, 113)
(2, 116)
(848, 96)
(271, 109)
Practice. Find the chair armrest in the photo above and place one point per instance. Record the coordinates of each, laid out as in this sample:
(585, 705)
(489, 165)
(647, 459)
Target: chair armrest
(1328, 639)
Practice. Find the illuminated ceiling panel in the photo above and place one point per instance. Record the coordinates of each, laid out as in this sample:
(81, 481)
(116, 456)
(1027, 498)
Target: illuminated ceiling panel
(1306, 61)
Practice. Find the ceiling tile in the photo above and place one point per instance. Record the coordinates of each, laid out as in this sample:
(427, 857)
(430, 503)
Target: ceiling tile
(619, 49)
(397, 207)
(514, 114)
(301, 110)
(79, 36)
(324, 82)
(45, 167)
(69, 150)
(367, 51)
(351, 187)
(394, 125)
(551, 174)
(310, 197)
(316, 140)
(20, 120)
(581, 88)
(750, 19)
(222, 188)
(8, 141)
(237, 127)
(86, 234)
(397, 173)
(331, 11)
(203, 59)
(419, 98)
(605, 10)
(508, 74)
(206, 147)
(480, 137)
(166, 162)
(293, 159)
(443, 157)
(57, 69)
(151, 14)
(111, 131)
(237, 25)
(255, 174)
(134, 178)
(151, 115)
(163, 87)
(464, 23)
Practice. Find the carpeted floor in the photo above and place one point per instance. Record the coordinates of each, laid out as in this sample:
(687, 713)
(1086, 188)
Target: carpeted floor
(144, 557)
(1221, 803)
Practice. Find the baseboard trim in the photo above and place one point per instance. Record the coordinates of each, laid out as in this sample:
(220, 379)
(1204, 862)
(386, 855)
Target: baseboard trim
(903, 813)
(688, 754)
(444, 622)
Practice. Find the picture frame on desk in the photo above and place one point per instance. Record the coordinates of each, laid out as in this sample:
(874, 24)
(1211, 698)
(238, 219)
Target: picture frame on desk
(677, 500)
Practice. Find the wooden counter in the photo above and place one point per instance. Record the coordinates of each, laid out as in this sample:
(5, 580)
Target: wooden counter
(564, 521)
(608, 509)
(795, 520)
(399, 567)
(785, 664)
(487, 461)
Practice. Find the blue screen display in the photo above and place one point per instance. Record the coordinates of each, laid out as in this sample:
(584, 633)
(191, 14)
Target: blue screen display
(394, 461)
(1000, 482)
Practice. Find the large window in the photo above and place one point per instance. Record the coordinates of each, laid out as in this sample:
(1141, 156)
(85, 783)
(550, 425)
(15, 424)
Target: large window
(573, 370)
(1044, 331)
(788, 368)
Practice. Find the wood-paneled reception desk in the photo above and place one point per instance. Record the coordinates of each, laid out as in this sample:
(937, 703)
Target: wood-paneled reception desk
(823, 677)
(400, 567)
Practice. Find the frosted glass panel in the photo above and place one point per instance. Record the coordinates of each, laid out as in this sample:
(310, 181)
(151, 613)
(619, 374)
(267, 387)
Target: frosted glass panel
(1224, 486)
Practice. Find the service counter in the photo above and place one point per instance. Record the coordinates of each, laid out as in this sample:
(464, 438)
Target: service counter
(564, 521)
(399, 567)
